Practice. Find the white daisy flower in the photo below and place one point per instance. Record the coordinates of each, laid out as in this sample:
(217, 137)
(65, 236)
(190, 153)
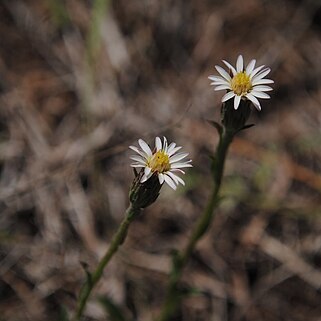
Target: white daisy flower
(162, 161)
(243, 83)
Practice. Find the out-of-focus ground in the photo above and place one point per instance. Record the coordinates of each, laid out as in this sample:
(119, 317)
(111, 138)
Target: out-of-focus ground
(80, 81)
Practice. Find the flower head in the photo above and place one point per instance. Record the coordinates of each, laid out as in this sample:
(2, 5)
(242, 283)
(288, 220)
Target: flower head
(162, 161)
(243, 83)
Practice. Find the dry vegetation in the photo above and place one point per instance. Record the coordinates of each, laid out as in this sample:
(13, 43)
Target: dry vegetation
(72, 101)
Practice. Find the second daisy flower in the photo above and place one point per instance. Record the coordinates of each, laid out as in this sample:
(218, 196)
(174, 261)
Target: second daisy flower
(162, 161)
(243, 83)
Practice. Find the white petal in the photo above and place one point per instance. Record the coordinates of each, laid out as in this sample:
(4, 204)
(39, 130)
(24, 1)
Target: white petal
(173, 150)
(260, 94)
(173, 177)
(170, 182)
(180, 165)
(161, 178)
(140, 152)
(255, 71)
(255, 102)
(221, 82)
(145, 178)
(177, 157)
(165, 145)
(261, 74)
(262, 82)
(262, 88)
(216, 78)
(177, 170)
(237, 100)
(176, 178)
(171, 146)
(138, 159)
(147, 171)
(137, 165)
(239, 63)
(250, 66)
(158, 143)
(223, 73)
(144, 147)
(222, 87)
(228, 96)
(228, 65)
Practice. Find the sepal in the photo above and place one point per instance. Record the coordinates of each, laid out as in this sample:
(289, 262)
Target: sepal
(141, 195)
(235, 120)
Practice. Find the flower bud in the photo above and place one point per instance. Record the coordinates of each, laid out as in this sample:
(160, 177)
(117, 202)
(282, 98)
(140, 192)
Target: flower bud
(235, 120)
(144, 194)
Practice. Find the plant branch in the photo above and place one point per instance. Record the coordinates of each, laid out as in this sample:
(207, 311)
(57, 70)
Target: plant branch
(92, 279)
(173, 295)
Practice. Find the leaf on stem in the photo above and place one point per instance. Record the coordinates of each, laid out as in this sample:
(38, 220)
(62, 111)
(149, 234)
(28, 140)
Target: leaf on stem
(217, 126)
(247, 126)
(135, 172)
(88, 274)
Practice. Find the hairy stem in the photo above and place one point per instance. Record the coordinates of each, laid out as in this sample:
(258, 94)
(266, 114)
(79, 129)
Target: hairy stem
(173, 296)
(93, 279)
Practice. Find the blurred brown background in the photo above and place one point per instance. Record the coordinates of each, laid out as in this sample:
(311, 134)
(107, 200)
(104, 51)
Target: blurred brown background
(80, 81)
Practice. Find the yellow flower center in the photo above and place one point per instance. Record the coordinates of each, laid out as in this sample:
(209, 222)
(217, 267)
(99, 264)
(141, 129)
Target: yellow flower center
(241, 83)
(159, 162)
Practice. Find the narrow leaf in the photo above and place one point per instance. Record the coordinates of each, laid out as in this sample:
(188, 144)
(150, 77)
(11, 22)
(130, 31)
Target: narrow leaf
(216, 125)
(135, 172)
(247, 126)
(88, 274)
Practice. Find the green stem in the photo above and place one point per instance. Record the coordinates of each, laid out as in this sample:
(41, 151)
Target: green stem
(93, 279)
(172, 298)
